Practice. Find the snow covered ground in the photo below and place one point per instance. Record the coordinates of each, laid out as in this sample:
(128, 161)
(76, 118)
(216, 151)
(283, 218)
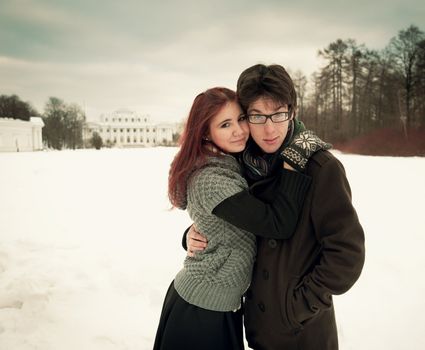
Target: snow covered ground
(88, 247)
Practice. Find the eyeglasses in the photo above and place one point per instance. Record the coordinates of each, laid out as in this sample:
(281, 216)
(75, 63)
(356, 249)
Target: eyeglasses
(278, 117)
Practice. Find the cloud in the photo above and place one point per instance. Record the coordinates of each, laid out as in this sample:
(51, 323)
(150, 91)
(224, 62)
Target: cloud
(155, 56)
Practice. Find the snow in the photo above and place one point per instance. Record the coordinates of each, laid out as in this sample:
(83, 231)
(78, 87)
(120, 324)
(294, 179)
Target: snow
(89, 245)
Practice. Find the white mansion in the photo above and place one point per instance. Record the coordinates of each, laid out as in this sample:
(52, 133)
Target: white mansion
(125, 128)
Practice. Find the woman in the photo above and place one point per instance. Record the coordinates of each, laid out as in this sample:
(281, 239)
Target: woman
(202, 306)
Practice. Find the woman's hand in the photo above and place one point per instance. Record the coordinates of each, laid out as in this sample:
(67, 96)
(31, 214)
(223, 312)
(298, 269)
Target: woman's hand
(195, 241)
(287, 166)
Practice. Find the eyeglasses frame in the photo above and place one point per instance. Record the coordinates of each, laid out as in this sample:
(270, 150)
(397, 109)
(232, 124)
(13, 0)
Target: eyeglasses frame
(270, 116)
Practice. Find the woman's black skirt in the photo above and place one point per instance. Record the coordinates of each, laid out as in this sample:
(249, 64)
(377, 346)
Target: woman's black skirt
(188, 327)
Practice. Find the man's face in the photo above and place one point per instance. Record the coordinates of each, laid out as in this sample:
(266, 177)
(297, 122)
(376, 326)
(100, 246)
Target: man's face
(269, 136)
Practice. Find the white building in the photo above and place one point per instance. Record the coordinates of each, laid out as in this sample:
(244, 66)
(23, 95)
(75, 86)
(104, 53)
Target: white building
(125, 128)
(21, 136)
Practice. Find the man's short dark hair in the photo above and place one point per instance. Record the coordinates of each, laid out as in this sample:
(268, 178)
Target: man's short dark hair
(271, 81)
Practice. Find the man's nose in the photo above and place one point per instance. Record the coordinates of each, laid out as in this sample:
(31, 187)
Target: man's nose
(269, 126)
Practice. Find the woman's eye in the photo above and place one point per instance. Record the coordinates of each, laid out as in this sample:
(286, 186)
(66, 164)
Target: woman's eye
(242, 118)
(225, 125)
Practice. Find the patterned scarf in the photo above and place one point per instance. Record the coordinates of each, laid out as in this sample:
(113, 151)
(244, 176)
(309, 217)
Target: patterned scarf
(259, 165)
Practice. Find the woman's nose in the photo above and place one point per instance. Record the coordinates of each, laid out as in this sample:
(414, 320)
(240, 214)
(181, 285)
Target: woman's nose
(238, 130)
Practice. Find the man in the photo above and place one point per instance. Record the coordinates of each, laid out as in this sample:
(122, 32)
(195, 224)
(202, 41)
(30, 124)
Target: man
(289, 303)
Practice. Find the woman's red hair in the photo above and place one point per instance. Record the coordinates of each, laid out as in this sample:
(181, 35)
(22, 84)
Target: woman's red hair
(193, 153)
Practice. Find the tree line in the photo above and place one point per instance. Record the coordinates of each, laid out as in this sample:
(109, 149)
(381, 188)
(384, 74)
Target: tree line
(356, 91)
(13, 107)
(359, 90)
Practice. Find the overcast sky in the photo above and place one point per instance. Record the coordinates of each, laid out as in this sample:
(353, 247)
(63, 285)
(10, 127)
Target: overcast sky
(155, 56)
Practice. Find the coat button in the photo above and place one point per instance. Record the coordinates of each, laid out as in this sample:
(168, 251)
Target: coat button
(272, 243)
(265, 274)
(262, 307)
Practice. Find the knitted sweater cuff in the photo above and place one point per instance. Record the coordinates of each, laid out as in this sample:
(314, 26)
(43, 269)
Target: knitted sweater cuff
(184, 239)
(295, 184)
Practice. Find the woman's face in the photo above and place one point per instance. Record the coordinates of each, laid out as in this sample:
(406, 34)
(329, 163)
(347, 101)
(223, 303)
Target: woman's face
(229, 129)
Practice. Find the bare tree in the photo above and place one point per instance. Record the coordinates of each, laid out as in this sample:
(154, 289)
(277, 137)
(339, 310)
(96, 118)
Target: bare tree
(300, 82)
(405, 49)
(335, 57)
(419, 89)
(63, 124)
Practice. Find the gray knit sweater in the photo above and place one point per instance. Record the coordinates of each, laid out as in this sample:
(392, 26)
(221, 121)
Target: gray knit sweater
(216, 278)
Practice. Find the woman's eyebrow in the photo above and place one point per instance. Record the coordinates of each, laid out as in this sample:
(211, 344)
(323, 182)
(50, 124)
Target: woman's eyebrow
(224, 121)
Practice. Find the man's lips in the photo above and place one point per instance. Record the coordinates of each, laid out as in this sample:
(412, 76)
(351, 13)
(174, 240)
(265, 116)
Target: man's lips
(271, 140)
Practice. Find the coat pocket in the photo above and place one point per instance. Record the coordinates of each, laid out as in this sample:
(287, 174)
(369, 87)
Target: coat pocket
(287, 307)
